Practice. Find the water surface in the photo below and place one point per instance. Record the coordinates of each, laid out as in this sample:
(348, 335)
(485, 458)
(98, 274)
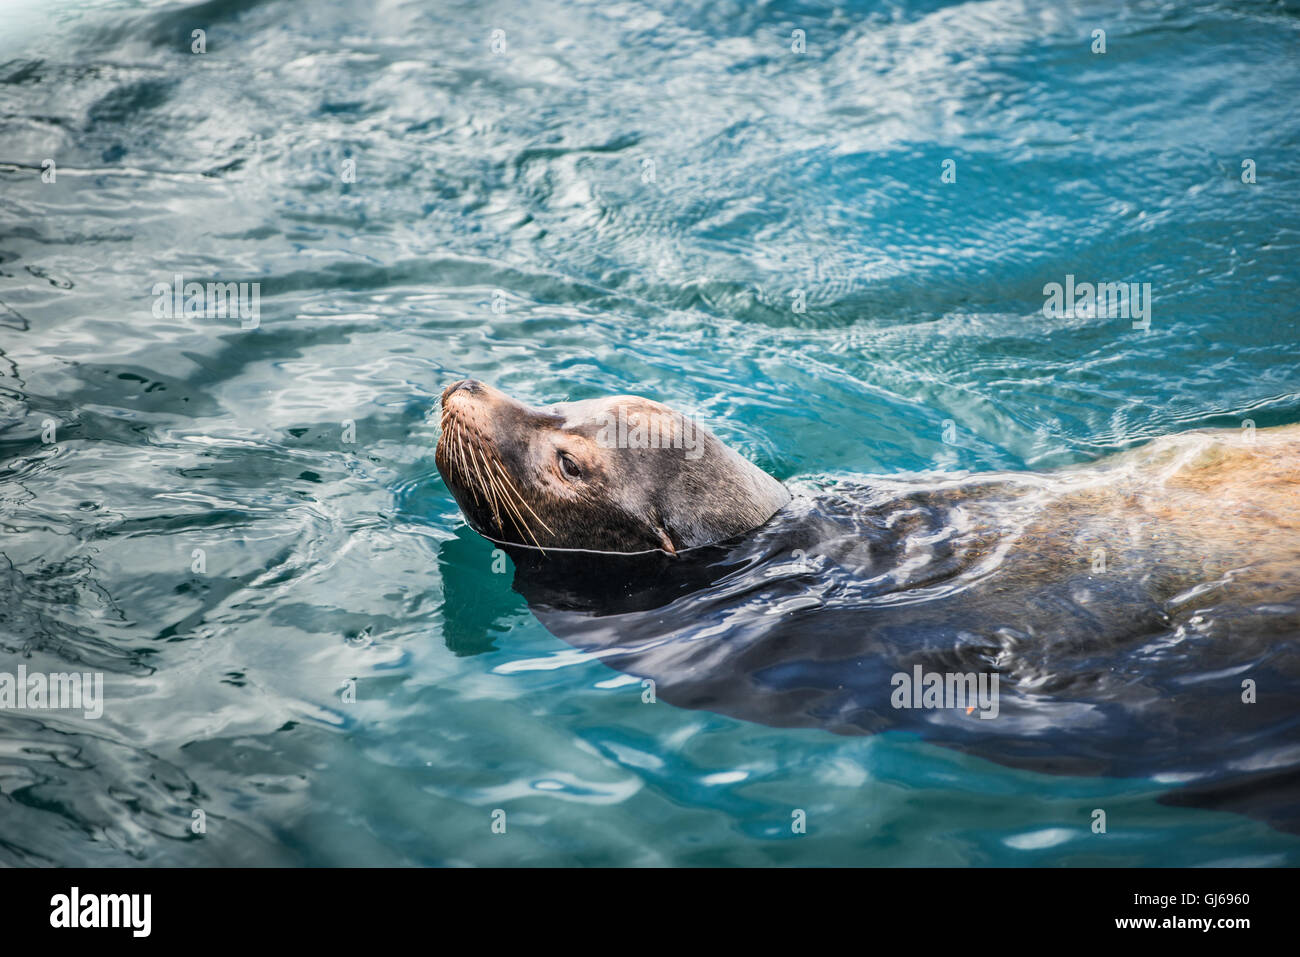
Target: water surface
(629, 197)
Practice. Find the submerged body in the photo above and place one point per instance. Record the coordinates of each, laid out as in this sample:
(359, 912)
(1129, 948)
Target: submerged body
(1141, 615)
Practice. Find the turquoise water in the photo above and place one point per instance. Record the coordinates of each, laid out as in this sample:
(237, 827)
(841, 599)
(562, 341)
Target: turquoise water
(626, 198)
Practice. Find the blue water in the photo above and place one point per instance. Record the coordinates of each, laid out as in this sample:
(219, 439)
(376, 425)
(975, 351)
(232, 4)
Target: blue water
(628, 197)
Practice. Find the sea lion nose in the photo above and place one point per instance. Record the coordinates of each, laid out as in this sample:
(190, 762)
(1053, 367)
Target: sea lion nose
(472, 386)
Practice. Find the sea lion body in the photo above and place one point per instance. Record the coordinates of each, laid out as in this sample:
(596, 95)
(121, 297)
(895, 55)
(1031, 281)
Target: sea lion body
(1197, 510)
(1141, 614)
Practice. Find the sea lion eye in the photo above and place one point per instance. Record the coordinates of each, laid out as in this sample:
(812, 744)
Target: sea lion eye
(569, 466)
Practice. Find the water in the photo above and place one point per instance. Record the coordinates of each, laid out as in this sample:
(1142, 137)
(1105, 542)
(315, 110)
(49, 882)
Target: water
(626, 199)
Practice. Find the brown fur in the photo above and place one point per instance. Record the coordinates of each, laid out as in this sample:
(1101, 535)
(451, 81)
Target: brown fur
(509, 465)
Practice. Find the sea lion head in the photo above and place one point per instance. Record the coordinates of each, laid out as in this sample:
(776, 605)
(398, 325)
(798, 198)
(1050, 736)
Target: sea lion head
(618, 474)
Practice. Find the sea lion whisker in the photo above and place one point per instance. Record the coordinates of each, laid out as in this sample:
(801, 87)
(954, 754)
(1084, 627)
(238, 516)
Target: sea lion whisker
(467, 468)
(483, 475)
(516, 516)
(471, 478)
(523, 502)
(450, 446)
(475, 480)
(502, 500)
(528, 529)
(489, 486)
(457, 462)
(493, 469)
(506, 497)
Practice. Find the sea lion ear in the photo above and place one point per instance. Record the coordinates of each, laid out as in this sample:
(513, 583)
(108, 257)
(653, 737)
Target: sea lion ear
(665, 542)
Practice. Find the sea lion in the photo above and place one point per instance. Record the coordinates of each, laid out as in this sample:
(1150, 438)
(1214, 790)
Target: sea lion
(622, 474)
(1141, 613)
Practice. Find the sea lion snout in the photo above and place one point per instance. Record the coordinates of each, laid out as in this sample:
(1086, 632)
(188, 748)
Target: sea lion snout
(472, 386)
(479, 405)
